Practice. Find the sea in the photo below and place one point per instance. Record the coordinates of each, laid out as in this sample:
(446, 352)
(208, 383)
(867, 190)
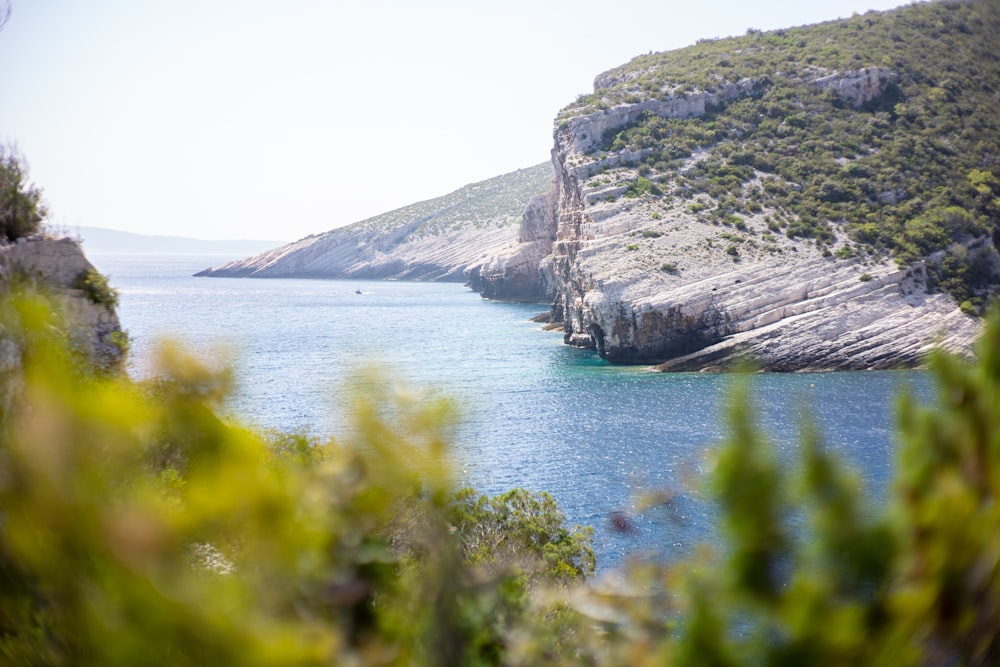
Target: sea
(534, 413)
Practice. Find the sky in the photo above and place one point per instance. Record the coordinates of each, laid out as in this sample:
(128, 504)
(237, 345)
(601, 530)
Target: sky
(245, 119)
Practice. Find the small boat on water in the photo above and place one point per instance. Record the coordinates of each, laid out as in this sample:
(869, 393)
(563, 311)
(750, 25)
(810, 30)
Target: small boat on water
(357, 291)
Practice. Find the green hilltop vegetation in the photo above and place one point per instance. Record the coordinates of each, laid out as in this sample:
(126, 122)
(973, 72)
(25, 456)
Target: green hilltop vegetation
(914, 172)
(491, 204)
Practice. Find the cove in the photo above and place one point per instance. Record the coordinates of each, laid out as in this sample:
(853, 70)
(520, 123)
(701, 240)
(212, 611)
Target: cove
(535, 413)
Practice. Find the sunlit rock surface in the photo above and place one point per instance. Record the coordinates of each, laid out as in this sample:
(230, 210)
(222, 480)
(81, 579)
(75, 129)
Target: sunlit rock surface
(643, 282)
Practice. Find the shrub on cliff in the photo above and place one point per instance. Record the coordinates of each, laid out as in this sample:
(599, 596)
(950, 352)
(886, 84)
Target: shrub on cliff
(21, 206)
(97, 288)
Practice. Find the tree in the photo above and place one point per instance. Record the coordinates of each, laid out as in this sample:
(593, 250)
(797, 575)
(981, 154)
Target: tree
(524, 530)
(21, 206)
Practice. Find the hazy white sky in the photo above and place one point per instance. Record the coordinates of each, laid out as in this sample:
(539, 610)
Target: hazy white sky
(274, 120)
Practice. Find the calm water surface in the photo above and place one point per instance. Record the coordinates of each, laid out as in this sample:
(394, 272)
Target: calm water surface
(536, 414)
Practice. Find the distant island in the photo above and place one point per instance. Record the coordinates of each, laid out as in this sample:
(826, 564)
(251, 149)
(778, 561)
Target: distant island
(437, 239)
(97, 240)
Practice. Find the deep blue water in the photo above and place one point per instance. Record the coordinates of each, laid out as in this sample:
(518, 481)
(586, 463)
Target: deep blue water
(535, 413)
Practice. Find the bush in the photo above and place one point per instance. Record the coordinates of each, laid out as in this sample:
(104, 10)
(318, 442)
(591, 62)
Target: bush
(524, 529)
(140, 528)
(97, 288)
(21, 207)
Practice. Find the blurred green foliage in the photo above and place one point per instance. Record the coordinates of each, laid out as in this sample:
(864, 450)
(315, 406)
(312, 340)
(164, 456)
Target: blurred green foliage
(137, 527)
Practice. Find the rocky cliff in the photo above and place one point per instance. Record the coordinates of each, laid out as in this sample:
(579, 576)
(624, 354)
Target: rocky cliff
(58, 267)
(514, 275)
(439, 239)
(751, 200)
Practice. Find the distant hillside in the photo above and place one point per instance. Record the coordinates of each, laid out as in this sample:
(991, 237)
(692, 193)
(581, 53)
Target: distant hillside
(431, 240)
(99, 240)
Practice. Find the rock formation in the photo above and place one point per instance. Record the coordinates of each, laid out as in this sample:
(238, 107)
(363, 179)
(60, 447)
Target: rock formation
(858, 87)
(55, 266)
(584, 134)
(515, 275)
(780, 303)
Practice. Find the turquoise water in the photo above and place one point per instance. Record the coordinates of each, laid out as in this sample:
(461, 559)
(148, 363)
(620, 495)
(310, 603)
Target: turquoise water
(536, 414)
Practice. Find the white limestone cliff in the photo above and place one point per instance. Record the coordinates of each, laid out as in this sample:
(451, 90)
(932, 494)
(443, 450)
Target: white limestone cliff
(513, 274)
(859, 86)
(359, 254)
(644, 282)
(585, 133)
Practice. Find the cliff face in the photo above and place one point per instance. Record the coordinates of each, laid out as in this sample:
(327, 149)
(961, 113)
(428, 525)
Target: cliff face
(514, 275)
(676, 251)
(643, 283)
(443, 239)
(54, 265)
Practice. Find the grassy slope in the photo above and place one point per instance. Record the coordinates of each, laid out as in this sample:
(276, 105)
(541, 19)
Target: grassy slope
(489, 204)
